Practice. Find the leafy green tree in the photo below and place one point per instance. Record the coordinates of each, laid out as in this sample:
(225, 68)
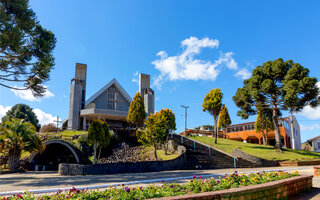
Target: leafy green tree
(167, 121)
(153, 133)
(271, 87)
(16, 136)
(26, 48)
(264, 124)
(137, 113)
(224, 118)
(22, 111)
(99, 136)
(212, 103)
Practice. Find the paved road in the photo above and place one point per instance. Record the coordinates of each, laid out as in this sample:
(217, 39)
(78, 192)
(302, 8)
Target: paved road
(47, 180)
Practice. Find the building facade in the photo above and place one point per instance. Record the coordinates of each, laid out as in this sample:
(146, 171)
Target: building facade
(246, 132)
(111, 103)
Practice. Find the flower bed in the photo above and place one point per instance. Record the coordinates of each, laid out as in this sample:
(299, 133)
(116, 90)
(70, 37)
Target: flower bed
(196, 185)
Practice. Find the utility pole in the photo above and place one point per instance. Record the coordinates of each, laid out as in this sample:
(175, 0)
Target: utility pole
(185, 120)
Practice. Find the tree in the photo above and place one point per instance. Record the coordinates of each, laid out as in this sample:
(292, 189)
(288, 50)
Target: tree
(49, 128)
(153, 133)
(167, 121)
(299, 90)
(137, 113)
(22, 111)
(212, 103)
(99, 136)
(224, 118)
(16, 136)
(264, 124)
(270, 87)
(26, 48)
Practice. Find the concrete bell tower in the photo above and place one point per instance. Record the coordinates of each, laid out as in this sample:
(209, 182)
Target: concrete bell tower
(77, 96)
(147, 93)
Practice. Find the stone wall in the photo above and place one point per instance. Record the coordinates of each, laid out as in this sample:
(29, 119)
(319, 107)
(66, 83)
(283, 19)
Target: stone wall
(253, 159)
(281, 189)
(128, 167)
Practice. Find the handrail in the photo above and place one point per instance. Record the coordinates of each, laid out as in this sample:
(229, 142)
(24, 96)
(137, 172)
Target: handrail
(234, 158)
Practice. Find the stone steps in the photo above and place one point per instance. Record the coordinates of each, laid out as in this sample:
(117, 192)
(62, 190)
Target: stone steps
(199, 157)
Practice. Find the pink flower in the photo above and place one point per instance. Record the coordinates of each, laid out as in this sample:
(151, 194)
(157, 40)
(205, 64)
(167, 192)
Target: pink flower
(19, 196)
(200, 177)
(194, 176)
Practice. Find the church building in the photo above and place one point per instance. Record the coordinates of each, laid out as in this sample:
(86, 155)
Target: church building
(111, 103)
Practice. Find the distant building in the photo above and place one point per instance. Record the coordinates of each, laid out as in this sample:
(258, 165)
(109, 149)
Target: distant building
(201, 132)
(312, 144)
(111, 103)
(246, 132)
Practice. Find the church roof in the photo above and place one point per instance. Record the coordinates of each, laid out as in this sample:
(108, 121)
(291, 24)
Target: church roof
(117, 85)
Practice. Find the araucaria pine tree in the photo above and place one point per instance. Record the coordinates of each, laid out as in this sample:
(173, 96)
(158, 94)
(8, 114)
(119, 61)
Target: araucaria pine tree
(212, 103)
(137, 113)
(26, 48)
(277, 85)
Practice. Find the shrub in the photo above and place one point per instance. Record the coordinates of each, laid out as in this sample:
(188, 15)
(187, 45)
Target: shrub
(49, 128)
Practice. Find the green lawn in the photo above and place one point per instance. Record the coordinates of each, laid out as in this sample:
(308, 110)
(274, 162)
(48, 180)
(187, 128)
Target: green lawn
(263, 151)
(160, 154)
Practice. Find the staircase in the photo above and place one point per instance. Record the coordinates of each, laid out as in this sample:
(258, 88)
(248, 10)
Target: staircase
(202, 156)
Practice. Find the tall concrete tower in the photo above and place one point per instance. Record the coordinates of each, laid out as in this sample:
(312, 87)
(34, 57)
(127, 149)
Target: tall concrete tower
(77, 96)
(147, 93)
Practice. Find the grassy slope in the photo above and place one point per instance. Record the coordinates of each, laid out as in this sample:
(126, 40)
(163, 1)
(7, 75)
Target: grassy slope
(262, 151)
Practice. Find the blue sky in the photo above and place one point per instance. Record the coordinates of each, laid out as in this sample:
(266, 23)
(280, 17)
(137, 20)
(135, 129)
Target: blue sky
(188, 48)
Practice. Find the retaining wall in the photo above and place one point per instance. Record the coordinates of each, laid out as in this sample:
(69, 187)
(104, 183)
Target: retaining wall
(127, 167)
(253, 159)
(281, 189)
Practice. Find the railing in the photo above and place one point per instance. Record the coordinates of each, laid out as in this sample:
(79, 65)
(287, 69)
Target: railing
(56, 136)
(235, 159)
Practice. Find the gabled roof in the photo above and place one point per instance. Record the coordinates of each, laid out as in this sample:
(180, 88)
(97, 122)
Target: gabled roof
(117, 85)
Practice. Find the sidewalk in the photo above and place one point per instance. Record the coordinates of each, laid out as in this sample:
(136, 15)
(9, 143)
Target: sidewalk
(47, 180)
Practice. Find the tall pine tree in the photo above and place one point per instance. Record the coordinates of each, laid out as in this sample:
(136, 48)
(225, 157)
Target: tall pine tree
(270, 88)
(26, 48)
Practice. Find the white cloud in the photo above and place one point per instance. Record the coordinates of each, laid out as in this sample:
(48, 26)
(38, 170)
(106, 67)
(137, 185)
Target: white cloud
(185, 67)
(135, 78)
(311, 113)
(3, 110)
(44, 118)
(27, 95)
(243, 74)
(310, 128)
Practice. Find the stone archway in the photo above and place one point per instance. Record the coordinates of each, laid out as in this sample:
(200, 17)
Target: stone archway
(56, 151)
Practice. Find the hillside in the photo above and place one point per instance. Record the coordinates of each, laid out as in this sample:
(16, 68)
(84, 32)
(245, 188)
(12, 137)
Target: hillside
(263, 151)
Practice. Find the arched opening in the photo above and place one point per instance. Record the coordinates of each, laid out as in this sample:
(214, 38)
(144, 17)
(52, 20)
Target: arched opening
(55, 152)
